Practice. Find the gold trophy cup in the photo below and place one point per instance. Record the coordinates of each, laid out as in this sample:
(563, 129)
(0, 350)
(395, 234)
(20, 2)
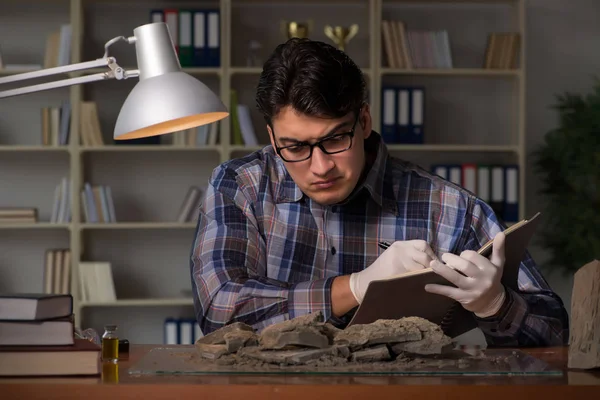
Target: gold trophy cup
(293, 29)
(341, 35)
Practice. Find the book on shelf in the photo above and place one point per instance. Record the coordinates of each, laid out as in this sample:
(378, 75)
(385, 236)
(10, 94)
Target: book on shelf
(190, 207)
(502, 51)
(97, 203)
(407, 48)
(404, 295)
(96, 282)
(90, 130)
(58, 47)
(204, 135)
(57, 271)
(56, 123)
(242, 129)
(61, 208)
(16, 215)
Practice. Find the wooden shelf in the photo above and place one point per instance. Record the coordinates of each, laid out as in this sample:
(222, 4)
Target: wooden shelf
(427, 3)
(474, 72)
(138, 225)
(22, 148)
(150, 302)
(34, 225)
(453, 148)
(146, 147)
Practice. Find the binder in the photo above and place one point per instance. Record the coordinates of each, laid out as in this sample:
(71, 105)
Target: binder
(403, 108)
(171, 331)
(511, 203)
(469, 177)
(388, 116)
(172, 21)
(497, 195)
(214, 38)
(199, 39)
(417, 115)
(157, 16)
(186, 50)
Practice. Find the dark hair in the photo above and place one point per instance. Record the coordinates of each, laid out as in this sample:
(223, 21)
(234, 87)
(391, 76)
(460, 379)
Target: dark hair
(313, 77)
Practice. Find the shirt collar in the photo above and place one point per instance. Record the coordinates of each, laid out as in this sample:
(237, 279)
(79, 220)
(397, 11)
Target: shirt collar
(379, 182)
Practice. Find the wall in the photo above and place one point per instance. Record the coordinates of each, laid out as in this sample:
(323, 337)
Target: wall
(563, 54)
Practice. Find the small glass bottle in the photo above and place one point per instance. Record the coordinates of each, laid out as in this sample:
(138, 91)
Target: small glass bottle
(110, 344)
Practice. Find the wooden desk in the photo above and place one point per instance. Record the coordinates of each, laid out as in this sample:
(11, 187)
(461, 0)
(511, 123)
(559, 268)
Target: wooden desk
(572, 385)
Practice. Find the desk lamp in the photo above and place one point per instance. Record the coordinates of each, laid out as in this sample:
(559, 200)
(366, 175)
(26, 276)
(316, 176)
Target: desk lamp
(164, 100)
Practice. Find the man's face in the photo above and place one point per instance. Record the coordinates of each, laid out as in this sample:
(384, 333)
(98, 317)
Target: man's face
(326, 178)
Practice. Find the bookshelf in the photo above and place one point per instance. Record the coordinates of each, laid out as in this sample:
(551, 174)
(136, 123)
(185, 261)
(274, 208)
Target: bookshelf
(148, 249)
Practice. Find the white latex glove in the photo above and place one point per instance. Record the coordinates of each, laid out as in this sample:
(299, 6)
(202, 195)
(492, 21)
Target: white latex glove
(481, 290)
(400, 257)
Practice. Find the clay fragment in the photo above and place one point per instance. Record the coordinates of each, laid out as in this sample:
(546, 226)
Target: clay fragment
(300, 337)
(211, 351)
(372, 354)
(218, 336)
(235, 340)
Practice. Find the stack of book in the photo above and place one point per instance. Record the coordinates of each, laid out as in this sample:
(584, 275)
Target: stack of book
(14, 215)
(37, 337)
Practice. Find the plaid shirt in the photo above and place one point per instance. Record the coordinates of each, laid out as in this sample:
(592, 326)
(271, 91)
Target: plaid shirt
(264, 252)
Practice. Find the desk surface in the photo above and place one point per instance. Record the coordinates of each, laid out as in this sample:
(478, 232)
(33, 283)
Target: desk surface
(572, 383)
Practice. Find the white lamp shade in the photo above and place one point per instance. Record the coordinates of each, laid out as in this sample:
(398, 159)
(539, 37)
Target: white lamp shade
(167, 103)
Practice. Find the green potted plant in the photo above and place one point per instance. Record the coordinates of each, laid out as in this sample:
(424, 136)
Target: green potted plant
(568, 163)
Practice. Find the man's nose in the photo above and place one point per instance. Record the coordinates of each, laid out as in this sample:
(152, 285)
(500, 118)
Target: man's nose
(320, 163)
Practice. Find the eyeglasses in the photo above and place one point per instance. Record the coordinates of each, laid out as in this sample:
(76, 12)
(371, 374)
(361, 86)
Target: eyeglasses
(302, 151)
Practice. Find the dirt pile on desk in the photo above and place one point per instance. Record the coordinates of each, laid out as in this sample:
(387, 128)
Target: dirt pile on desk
(311, 342)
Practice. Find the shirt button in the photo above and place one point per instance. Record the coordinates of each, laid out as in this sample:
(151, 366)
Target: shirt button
(333, 251)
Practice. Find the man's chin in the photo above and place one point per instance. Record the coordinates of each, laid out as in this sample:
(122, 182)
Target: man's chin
(328, 197)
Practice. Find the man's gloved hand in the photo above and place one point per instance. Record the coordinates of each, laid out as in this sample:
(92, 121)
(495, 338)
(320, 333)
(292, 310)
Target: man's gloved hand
(400, 257)
(481, 290)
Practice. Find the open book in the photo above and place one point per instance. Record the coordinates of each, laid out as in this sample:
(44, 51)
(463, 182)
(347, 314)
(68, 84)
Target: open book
(405, 296)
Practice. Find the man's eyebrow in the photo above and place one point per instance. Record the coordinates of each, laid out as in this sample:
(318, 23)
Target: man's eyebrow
(332, 132)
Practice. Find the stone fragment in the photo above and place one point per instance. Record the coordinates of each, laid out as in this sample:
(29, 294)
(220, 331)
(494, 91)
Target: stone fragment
(433, 341)
(306, 336)
(313, 319)
(217, 337)
(372, 354)
(380, 332)
(287, 357)
(330, 331)
(211, 351)
(234, 340)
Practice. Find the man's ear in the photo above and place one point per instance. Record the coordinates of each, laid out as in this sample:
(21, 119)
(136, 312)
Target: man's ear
(271, 136)
(366, 123)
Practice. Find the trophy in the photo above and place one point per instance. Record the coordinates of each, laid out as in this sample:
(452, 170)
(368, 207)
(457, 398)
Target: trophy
(296, 29)
(341, 35)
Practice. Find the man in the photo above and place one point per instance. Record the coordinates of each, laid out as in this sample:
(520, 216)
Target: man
(294, 228)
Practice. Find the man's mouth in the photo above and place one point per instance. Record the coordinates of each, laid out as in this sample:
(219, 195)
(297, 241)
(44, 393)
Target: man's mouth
(324, 184)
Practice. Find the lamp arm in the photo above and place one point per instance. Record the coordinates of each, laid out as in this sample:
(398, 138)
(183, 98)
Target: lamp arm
(115, 72)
